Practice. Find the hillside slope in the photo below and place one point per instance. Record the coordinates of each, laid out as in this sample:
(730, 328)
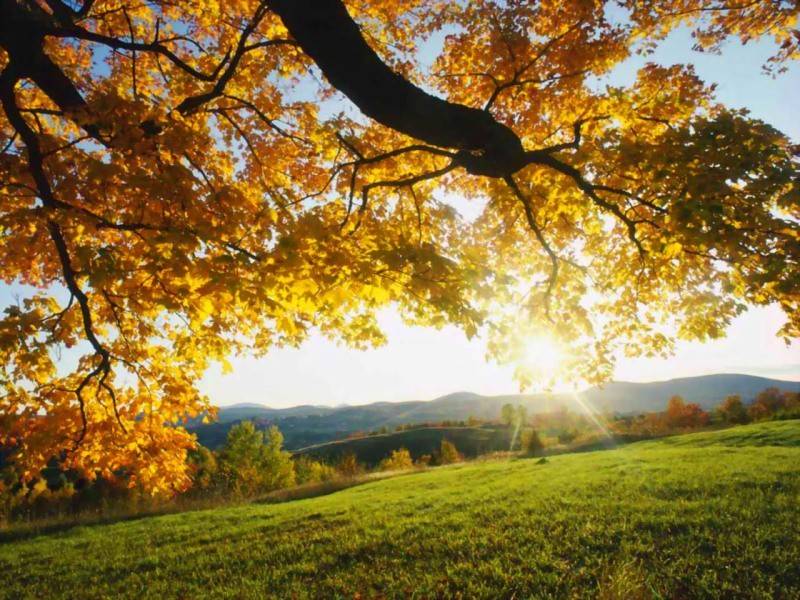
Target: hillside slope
(710, 515)
(370, 450)
(307, 425)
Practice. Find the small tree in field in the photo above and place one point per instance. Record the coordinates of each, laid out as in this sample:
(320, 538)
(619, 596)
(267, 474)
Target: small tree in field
(532, 444)
(675, 409)
(733, 411)
(398, 460)
(308, 470)
(448, 453)
(277, 468)
(348, 465)
(252, 461)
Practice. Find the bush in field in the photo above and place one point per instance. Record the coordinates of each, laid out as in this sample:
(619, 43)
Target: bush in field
(253, 461)
(348, 465)
(308, 470)
(448, 453)
(733, 411)
(398, 460)
(532, 444)
(424, 460)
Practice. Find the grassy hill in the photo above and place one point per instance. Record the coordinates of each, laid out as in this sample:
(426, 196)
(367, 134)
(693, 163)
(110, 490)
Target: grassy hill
(308, 425)
(470, 441)
(708, 515)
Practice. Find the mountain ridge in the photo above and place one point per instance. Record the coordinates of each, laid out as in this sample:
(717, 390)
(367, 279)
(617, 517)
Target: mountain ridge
(309, 424)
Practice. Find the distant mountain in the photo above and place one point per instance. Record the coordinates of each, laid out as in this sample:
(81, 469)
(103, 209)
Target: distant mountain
(307, 425)
(247, 410)
(705, 390)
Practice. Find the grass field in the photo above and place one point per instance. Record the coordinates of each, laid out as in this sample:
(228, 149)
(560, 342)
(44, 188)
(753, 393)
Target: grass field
(710, 515)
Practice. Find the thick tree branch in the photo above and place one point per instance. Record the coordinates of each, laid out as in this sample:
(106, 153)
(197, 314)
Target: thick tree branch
(333, 40)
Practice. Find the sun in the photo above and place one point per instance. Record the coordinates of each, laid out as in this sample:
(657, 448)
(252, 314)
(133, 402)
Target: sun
(544, 355)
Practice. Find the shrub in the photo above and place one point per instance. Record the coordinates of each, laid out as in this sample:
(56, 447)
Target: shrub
(424, 460)
(308, 470)
(448, 453)
(348, 465)
(398, 460)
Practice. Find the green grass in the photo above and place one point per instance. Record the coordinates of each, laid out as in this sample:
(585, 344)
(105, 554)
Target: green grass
(710, 515)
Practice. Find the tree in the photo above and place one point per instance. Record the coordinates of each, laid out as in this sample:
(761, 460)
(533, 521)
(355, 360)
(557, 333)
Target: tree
(676, 410)
(348, 465)
(521, 415)
(508, 415)
(681, 415)
(179, 184)
(532, 444)
(694, 417)
(733, 411)
(772, 401)
(277, 467)
(252, 461)
(312, 471)
(204, 468)
(398, 460)
(448, 453)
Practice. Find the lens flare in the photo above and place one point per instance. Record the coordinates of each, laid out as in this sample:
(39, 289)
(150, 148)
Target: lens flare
(592, 413)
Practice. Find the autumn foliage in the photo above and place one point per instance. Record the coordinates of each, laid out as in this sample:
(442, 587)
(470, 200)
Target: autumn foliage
(184, 181)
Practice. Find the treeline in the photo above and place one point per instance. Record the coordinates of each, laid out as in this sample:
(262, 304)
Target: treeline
(680, 416)
(252, 463)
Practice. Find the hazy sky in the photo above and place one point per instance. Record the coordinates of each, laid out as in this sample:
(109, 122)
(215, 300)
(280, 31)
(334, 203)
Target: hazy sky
(419, 364)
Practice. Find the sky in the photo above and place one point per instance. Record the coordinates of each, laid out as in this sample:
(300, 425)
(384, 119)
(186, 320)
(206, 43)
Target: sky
(421, 364)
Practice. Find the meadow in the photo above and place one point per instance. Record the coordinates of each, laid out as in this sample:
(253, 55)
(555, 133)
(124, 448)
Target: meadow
(705, 515)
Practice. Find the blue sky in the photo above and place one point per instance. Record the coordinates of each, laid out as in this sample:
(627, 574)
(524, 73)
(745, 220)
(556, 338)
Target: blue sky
(420, 363)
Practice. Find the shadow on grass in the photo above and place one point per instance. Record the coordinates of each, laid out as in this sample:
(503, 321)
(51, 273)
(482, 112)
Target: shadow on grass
(314, 490)
(23, 530)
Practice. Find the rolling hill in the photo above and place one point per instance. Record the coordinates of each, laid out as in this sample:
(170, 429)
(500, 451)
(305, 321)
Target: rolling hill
(470, 442)
(706, 515)
(309, 425)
